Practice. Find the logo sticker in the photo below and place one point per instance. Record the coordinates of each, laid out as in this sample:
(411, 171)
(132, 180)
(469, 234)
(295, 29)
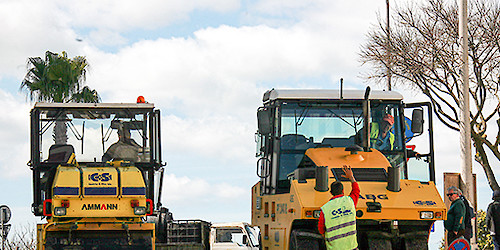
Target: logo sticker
(104, 177)
(373, 197)
(424, 203)
(100, 207)
(343, 211)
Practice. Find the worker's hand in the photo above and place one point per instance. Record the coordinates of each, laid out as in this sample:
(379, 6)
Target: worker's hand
(456, 233)
(348, 173)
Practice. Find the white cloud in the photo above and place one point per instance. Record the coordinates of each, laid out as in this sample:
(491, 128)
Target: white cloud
(14, 132)
(108, 19)
(201, 198)
(219, 137)
(29, 29)
(211, 83)
(185, 190)
(222, 66)
(119, 15)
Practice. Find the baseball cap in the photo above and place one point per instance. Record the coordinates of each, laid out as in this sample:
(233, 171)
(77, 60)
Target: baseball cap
(388, 118)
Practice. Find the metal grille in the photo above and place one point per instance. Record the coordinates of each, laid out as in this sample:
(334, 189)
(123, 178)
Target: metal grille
(186, 233)
(362, 174)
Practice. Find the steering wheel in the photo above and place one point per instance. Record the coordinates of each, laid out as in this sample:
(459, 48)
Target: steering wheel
(377, 141)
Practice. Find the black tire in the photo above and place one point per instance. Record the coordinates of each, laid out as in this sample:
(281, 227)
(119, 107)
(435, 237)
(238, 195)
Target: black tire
(380, 244)
(304, 239)
(416, 243)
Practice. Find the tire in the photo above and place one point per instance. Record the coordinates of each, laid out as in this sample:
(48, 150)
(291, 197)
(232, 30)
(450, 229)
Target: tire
(303, 239)
(380, 244)
(416, 243)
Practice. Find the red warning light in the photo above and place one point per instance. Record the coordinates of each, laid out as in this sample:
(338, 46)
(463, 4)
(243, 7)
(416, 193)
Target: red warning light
(141, 99)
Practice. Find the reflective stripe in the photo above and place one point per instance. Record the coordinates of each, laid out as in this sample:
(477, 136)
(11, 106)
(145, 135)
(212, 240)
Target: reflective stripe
(341, 235)
(350, 223)
(66, 190)
(133, 191)
(100, 191)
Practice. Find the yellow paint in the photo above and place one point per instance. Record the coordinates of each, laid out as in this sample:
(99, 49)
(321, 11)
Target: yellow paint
(93, 224)
(97, 211)
(131, 177)
(407, 204)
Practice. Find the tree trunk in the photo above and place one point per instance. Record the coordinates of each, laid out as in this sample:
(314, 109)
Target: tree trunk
(60, 132)
(482, 159)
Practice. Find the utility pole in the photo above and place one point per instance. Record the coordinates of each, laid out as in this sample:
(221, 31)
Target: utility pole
(389, 54)
(5, 215)
(464, 124)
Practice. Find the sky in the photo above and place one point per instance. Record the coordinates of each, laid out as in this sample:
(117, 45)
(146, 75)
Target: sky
(205, 64)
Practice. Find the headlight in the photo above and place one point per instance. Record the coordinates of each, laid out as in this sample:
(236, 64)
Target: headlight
(139, 210)
(426, 215)
(59, 211)
(316, 213)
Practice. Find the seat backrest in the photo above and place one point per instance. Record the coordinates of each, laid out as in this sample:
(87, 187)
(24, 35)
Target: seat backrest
(338, 142)
(60, 153)
(292, 141)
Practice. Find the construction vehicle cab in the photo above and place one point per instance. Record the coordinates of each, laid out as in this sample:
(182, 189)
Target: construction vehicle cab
(305, 137)
(89, 202)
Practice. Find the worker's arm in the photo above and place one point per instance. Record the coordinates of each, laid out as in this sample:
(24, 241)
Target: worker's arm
(489, 217)
(355, 193)
(459, 219)
(321, 223)
(354, 185)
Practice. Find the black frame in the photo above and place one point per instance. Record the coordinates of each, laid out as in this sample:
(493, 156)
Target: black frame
(148, 169)
(271, 150)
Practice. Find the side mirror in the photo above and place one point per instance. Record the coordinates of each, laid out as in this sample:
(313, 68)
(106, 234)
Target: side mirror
(264, 121)
(417, 121)
(245, 240)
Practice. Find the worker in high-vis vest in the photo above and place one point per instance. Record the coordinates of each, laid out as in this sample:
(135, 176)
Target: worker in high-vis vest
(380, 134)
(337, 220)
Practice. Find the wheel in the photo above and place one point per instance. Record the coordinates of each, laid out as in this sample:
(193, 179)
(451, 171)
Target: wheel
(304, 239)
(379, 244)
(416, 243)
(377, 240)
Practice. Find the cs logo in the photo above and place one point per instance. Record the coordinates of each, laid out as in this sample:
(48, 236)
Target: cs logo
(343, 211)
(100, 177)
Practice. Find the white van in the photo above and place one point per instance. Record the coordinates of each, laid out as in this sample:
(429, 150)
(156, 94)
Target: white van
(232, 236)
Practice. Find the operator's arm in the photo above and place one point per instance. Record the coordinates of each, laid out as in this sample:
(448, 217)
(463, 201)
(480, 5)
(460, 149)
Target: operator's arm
(106, 157)
(109, 153)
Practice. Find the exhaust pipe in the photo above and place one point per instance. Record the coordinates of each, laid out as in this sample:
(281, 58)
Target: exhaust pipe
(393, 179)
(321, 179)
(367, 116)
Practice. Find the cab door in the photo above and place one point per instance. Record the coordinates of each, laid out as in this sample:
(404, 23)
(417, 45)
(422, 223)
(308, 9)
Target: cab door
(419, 142)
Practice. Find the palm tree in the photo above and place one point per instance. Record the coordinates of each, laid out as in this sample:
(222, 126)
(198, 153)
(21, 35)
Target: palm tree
(58, 79)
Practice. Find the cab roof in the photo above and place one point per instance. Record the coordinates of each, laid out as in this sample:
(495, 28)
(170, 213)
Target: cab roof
(93, 110)
(327, 94)
(74, 105)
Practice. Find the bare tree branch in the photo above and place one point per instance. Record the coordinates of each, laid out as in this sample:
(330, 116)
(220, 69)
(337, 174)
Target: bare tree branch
(425, 57)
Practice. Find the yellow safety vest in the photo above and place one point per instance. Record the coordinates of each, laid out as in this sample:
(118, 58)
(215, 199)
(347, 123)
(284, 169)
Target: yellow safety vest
(340, 223)
(374, 130)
